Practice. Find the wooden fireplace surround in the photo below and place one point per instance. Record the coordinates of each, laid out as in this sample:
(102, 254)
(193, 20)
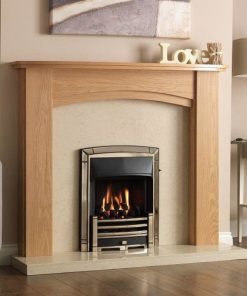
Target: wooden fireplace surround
(47, 85)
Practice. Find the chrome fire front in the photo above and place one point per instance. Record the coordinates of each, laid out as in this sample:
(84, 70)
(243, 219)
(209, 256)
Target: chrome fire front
(90, 225)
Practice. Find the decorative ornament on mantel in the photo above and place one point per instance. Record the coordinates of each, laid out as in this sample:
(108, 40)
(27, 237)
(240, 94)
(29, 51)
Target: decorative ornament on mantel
(213, 55)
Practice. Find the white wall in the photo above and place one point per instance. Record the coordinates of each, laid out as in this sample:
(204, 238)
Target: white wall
(239, 85)
(24, 30)
(239, 107)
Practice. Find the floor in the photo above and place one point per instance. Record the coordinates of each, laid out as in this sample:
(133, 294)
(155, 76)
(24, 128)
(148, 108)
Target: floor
(243, 244)
(200, 279)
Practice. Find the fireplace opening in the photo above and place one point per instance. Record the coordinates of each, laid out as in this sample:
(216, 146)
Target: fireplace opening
(120, 190)
(123, 198)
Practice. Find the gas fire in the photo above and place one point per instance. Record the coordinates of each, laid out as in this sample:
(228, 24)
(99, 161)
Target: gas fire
(115, 206)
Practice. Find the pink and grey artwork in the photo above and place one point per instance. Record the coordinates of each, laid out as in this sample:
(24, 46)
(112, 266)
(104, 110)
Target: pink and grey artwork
(149, 18)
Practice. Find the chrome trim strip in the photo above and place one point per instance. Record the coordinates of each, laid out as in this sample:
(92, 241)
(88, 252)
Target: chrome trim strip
(122, 248)
(95, 234)
(150, 230)
(122, 226)
(84, 205)
(123, 234)
(123, 220)
(119, 149)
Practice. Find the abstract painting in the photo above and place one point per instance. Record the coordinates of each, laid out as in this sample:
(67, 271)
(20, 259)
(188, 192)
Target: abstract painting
(148, 18)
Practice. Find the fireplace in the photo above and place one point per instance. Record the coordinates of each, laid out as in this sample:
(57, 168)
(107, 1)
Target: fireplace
(119, 198)
(45, 86)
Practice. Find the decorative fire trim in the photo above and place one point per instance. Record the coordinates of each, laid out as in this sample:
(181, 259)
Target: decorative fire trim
(116, 151)
(129, 233)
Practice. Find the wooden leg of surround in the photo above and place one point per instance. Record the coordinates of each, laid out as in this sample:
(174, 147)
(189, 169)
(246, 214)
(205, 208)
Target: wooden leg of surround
(192, 177)
(36, 163)
(204, 214)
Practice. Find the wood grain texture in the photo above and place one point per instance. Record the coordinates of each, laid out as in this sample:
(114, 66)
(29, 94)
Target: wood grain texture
(38, 154)
(204, 199)
(201, 279)
(44, 85)
(119, 66)
(123, 95)
(76, 85)
(192, 175)
(22, 162)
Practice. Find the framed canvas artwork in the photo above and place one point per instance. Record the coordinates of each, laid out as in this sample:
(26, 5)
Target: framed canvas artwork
(148, 18)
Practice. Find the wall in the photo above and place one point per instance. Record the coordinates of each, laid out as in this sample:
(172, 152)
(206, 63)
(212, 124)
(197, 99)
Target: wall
(239, 85)
(239, 107)
(24, 27)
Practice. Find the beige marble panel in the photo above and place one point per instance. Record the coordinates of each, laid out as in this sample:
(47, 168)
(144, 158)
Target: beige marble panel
(114, 123)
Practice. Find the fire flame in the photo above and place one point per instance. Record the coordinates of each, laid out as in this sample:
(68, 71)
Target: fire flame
(115, 205)
(119, 201)
(108, 194)
(126, 192)
(103, 204)
(112, 208)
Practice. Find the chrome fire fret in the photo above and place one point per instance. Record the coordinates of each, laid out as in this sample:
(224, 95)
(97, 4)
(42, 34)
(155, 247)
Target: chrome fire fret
(129, 232)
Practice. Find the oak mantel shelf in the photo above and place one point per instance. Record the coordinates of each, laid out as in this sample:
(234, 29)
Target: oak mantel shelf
(119, 66)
